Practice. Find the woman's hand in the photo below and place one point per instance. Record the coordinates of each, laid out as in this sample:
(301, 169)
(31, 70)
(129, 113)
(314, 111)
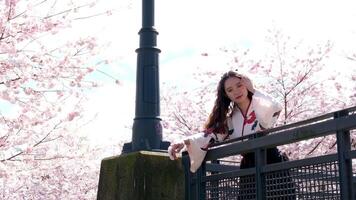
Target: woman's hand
(248, 83)
(175, 148)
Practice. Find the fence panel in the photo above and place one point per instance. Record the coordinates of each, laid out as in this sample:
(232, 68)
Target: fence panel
(322, 177)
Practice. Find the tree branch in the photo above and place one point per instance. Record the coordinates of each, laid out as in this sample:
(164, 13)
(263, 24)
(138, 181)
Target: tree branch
(38, 143)
(15, 79)
(65, 11)
(300, 81)
(41, 141)
(351, 58)
(316, 146)
(182, 121)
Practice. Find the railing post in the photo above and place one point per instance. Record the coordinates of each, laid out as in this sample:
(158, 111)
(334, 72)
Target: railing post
(194, 187)
(215, 184)
(199, 183)
(260, 157)
(345, 162)
(188, 177)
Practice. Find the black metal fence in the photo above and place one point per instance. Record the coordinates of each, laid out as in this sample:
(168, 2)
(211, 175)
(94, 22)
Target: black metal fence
(320, 177)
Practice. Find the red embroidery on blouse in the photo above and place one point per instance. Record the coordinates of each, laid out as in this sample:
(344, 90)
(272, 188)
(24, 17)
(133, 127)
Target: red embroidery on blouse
(208, 132)
(251, 118)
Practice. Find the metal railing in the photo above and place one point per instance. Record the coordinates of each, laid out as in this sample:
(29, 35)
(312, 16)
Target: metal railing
(321, 177)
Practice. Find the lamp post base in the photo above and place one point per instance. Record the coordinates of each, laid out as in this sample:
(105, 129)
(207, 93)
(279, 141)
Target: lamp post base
(127, 148)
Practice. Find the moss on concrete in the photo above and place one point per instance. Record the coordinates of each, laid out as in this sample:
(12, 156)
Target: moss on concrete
(141, 175)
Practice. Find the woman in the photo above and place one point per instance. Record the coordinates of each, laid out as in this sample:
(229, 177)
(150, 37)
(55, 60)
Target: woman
(239, 110)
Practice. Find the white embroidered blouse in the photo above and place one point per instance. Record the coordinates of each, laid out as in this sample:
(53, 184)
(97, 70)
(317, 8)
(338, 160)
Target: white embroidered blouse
(262, 113)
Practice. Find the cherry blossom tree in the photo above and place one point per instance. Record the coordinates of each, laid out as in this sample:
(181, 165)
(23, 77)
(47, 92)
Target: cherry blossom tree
(294, 73)
(43, 80)
(352, 97)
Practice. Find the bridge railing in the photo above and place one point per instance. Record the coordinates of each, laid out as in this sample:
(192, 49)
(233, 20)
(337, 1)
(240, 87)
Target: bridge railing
(329, 176)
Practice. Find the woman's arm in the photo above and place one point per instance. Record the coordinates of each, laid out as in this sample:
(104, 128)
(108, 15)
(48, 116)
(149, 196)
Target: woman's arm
(175, 148)
(196, 145)
(266, 108)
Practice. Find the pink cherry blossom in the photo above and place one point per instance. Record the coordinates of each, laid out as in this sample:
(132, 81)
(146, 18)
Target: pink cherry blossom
(292, 72)
(42, 76)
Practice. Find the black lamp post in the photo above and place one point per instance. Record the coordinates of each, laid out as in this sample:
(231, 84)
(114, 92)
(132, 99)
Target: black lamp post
(147, 128)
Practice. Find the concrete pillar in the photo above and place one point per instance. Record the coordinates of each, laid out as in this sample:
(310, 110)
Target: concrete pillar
(142, 175)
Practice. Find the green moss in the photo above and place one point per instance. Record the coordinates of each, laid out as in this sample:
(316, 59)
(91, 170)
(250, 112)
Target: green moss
(141, 175)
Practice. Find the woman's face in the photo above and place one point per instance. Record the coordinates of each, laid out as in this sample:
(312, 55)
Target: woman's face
(235, 90)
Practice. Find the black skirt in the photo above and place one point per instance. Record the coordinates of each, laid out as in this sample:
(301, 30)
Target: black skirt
(279, 185)
(273, 156)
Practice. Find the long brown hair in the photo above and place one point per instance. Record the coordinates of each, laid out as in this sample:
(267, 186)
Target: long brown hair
(217, 122)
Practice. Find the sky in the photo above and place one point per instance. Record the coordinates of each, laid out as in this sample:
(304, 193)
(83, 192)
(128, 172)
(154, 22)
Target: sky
(188, 28)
